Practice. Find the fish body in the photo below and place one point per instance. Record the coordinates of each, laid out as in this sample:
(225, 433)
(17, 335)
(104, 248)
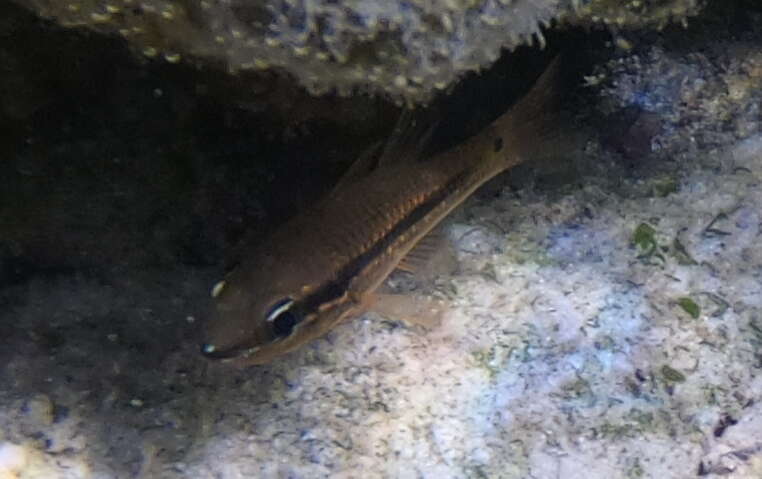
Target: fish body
(324, 265)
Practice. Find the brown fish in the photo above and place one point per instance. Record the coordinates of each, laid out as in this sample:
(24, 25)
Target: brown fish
(324, 265)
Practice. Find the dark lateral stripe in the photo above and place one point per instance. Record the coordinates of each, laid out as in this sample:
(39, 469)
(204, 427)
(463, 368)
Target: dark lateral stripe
(338, 286)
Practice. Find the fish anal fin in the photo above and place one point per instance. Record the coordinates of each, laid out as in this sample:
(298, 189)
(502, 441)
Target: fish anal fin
(425, 311)
(432, 256)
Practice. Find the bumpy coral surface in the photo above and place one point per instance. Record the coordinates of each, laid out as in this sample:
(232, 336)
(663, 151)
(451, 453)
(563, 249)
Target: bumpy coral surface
(405, 49)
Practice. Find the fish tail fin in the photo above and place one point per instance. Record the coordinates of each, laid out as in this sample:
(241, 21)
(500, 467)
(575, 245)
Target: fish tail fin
(532, 124)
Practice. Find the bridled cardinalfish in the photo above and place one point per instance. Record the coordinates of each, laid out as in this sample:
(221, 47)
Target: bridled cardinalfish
(324, 265)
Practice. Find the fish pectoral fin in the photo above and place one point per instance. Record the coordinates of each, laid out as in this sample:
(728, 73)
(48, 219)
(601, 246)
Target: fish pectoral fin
(415, 309)
(434, 255)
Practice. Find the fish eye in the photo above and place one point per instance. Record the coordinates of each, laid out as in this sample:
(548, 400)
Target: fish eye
(284, 324)
(282, 318)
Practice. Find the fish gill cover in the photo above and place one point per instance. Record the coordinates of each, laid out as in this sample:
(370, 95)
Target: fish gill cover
(406, 50)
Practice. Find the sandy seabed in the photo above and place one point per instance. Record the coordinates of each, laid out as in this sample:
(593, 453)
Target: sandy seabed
(608, 326)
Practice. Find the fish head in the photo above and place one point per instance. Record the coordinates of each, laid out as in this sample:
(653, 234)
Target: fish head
(270, 305)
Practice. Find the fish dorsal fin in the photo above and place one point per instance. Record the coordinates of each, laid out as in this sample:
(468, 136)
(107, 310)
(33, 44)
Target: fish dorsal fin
(406, 142)
(362, 166)
(409, 138)
(433, 255)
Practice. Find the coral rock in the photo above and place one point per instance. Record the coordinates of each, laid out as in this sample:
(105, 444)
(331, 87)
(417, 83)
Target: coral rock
(406, 50)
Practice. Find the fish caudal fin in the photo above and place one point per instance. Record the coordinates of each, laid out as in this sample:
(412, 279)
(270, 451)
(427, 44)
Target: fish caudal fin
(532, 124)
